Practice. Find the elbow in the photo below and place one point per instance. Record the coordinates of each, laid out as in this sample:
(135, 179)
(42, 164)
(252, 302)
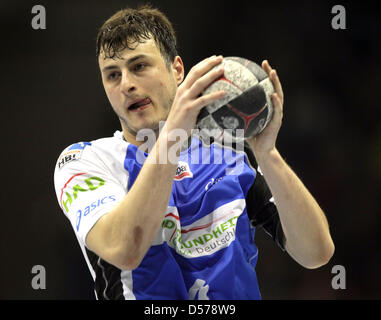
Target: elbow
(128, 254)
(122, 258)
(129, 263)
(327, 254)
(322, 257)
(312, 257)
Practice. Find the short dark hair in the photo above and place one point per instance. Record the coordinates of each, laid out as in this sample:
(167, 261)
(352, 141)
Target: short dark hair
(129, 26)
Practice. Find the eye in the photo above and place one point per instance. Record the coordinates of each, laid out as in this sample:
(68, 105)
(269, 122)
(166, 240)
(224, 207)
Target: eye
(113, 75)
(139, 66)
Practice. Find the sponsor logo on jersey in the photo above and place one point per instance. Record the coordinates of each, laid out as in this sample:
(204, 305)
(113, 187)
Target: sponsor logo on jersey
(205, 236)
(74, 152)
(212, 182)
(68, 157)
(88, 184)
(79, 146)
(91, 207)
(183, 171)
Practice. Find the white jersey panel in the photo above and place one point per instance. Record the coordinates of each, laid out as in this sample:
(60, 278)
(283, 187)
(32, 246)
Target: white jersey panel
(89, 181)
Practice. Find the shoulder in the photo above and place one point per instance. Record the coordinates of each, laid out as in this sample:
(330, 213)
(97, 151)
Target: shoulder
(102, 158)
(89, 162)
(71, 153)
(98, 151)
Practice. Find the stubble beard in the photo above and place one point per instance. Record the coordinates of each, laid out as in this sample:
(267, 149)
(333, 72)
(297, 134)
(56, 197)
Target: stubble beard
(155, 125)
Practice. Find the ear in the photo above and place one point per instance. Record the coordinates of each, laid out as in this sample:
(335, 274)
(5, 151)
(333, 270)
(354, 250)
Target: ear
(178, 70)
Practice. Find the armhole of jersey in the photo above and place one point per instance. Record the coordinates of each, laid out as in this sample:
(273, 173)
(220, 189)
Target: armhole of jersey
(250, 157)
(272, 225)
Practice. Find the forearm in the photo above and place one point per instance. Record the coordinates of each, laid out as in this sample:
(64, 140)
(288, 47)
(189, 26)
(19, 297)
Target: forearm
(304, 224)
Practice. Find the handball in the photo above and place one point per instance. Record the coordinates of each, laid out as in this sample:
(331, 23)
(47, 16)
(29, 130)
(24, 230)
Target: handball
(246, 108)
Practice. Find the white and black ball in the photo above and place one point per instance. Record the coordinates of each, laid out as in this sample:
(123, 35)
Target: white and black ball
(247, 104)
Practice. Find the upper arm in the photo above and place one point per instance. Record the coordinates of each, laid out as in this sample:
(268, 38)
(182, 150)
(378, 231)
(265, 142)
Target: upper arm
(86, 193)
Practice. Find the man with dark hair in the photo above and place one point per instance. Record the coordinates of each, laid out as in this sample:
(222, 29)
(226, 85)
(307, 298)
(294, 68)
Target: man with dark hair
(129, 26)
(173, 229)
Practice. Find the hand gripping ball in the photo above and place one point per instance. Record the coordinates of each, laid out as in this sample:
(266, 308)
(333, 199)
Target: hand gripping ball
(247, 104)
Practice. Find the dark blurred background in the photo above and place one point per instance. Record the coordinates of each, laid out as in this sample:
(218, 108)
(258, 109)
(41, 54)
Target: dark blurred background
(52, 96)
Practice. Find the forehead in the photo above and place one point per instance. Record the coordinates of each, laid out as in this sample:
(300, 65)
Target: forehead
(146, 48)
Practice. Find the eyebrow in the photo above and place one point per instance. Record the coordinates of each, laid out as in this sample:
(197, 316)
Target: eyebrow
(129, 61)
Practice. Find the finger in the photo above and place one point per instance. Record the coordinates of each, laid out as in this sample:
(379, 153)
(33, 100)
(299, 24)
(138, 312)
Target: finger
(200, 69)
(274, 78)
(203, 101)
(206, 80)
(277, 103)
(277, 85)
(266, 67)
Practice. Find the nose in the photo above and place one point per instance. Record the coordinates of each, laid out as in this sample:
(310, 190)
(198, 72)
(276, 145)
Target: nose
(127, 84)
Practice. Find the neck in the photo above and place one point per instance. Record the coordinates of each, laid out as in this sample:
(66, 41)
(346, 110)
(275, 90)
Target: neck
(147, 137)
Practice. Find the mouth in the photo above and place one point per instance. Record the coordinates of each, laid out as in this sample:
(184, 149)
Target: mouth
(139, 105)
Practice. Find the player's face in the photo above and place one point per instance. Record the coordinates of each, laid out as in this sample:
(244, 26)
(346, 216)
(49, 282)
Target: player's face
(140, 87)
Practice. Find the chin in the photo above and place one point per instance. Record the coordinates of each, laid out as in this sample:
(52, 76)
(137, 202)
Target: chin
(147, 121)
(145, 128)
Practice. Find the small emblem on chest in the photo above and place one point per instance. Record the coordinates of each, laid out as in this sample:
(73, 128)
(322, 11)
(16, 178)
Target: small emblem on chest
(183, 171)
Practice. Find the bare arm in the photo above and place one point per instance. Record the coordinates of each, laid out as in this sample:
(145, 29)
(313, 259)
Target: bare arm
(123, 236)
(304, 224)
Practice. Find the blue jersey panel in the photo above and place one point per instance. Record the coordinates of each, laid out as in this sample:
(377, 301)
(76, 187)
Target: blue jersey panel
(222, 254)
(159, 277)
